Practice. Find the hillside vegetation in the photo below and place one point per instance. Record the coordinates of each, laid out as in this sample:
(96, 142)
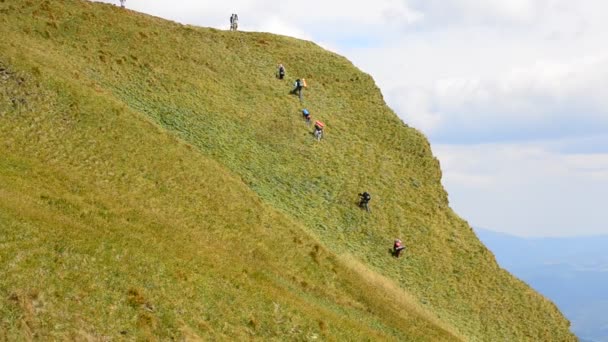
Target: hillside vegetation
(157, 181)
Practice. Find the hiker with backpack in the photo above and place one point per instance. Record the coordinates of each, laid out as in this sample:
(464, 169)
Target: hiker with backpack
(397, 248)
(318, 132)
(280, 71)
(122, 3)
(364, 202)
(306, 115)
(298, 86)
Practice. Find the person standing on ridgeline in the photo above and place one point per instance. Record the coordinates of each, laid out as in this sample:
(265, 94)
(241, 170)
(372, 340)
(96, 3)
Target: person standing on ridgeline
(281, 71)
(122, 3)
(234, 22)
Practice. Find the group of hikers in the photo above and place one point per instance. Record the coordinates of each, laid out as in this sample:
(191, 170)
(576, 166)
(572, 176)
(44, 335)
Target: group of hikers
(299, 85)
(318, 130)
(365, 196)
(398, 246)
(234, 22)
(298, 88)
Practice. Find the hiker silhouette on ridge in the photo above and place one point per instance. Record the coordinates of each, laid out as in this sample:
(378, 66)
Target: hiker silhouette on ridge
(234, 22)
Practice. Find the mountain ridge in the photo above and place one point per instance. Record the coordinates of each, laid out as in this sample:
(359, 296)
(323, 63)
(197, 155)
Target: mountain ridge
(118, 125)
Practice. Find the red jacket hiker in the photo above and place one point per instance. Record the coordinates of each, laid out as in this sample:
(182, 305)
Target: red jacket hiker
(397, 247)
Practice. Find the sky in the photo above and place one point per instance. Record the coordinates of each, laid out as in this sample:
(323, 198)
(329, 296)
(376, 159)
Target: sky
(513, 95)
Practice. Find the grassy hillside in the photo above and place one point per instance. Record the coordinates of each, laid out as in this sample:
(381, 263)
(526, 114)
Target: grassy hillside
(157, 180)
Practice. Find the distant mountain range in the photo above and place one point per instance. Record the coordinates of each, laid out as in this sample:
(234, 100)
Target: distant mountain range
(572, 272)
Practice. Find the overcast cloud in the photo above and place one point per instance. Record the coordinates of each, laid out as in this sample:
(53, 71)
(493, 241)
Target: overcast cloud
(512, 94)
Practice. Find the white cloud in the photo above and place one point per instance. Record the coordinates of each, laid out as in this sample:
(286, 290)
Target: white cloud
(325, 18)
(592, 166)
(527, 189)
(475, 12)
(551, 99)
(279, 26)
(497, 70)
(415, 106)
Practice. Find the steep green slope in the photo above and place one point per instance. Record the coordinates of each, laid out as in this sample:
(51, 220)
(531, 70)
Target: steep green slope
(138, 152)
(110, 227)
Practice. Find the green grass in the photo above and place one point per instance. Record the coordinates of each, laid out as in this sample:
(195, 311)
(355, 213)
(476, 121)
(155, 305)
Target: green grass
(138, 154)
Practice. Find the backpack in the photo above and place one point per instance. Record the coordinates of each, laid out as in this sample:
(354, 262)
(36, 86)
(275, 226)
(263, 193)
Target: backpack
(304, 83)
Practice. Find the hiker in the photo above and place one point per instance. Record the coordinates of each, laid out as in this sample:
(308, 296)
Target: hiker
(122, 3)
(234, 22)
(298, 85)
(306, 115)
(397, 248)
(281, 71)
(365, 198)
(318, 133)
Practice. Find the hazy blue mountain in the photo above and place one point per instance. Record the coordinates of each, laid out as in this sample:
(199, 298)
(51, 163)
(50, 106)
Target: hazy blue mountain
(572, 272)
